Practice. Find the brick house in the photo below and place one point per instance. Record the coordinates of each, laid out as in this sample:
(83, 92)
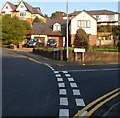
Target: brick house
(104, 17)
(56, 29)
(52, 29)
(23, 11)
(87, 22)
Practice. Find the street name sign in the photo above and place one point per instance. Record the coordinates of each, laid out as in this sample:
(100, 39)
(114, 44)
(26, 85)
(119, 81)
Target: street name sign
(79, 50)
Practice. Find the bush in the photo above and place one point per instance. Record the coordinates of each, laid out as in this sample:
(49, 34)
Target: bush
(13, 29)
(81, 39)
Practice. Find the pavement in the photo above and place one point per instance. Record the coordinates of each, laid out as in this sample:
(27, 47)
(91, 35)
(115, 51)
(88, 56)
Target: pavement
(28, 52)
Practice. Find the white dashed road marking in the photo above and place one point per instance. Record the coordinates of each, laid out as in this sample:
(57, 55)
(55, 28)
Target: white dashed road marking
(61, 84)
(76, 92)
(67, 75)
(58, 75)
(70, 79)
(62, 91)
(73, 85)
(80, 102)
(59, 79)
(56, 72)
(64, 71)
(64, 113)
(64, 101)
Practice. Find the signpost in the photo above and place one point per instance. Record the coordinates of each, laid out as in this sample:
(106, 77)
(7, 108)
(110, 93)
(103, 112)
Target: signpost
(56, 50)
(76, 50)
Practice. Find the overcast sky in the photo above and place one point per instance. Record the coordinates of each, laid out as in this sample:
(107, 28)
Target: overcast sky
(52, 6)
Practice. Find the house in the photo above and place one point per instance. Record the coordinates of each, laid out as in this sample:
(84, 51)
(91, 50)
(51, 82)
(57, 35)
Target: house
(87, 22)
(104, 17)
(56, 29)
(23, 11)
(52, 29)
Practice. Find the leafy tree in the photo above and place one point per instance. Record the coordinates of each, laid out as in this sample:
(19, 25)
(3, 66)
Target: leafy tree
(117, 31)
(81, 39)
(26, 24)
(37, 20)
(13, 29)
(57, 15)
(46, 16)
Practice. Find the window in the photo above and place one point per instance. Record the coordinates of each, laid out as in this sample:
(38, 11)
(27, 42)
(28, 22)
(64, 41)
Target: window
(6, 7)
(21, 6)
(40, 27)
(111, 17)
(57, 27)
(98, 17)
(22, 13)
(83, 23)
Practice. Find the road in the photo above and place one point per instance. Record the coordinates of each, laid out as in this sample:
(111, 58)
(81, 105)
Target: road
(31, 88)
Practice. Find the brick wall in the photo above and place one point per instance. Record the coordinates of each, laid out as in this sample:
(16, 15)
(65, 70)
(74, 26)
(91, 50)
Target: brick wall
(92, 39)
(89, 56)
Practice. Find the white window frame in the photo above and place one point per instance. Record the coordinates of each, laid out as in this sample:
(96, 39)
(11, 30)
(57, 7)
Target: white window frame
(84, 23)
(56, 27)
(22, 13)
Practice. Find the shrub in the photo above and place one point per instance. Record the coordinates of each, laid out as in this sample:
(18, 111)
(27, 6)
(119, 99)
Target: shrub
(81, 39)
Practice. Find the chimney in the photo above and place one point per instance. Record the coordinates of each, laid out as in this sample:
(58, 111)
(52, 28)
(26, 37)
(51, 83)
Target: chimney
(75, 10)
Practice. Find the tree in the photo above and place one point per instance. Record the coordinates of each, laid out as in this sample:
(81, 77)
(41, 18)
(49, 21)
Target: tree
(37, 20)
(81, 39)
(13, 29)
(46, 16)
(57, 15)
(117, 31)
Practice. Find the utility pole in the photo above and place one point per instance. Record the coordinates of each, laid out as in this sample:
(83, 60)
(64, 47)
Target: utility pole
(67, 56)
(119, 6)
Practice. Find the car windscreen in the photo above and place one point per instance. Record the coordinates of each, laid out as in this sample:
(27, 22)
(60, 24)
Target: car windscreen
(52, 41)
(33, 40)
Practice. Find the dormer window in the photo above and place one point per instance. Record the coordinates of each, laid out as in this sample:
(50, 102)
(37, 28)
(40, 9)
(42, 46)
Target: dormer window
(56, 27)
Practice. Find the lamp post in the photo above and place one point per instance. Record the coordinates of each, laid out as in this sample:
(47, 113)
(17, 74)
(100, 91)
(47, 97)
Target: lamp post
(67, 56)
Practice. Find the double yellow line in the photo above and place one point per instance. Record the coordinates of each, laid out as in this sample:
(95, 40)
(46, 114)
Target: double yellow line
(107, 98)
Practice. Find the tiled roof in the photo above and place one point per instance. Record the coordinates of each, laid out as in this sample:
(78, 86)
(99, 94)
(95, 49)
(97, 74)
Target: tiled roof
(34, 10)
(12, 6)
(102, 12)
(47, 28)
(96, 12)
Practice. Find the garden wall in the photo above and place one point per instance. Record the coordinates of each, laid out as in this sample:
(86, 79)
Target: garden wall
(89, 56)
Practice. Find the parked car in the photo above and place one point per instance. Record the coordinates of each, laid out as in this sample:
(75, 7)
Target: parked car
(34, 42)
(51, 42)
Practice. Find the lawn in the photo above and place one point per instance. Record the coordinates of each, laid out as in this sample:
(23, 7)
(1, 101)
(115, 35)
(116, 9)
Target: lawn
(104, 49)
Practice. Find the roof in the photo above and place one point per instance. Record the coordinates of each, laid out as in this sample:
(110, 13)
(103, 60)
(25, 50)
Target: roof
(95, 12)
(33, 10)
(85, 12)
(12, 6)
(47, 28)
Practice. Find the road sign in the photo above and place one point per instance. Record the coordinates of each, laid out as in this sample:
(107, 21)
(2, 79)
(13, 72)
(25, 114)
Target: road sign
(79, 50)
(56, 49)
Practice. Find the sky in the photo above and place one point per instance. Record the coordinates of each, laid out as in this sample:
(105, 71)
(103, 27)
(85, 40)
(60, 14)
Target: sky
(49, 7)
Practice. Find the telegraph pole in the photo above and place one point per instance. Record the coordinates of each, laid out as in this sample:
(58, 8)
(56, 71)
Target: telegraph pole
(67, 56)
